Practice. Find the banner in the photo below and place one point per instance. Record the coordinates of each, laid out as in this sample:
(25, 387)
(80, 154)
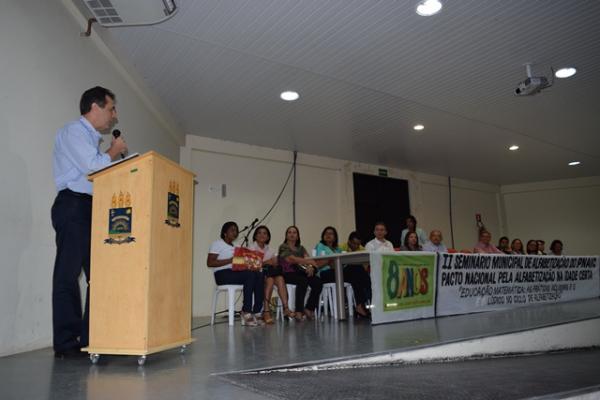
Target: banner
(404, 286)
(482, 282)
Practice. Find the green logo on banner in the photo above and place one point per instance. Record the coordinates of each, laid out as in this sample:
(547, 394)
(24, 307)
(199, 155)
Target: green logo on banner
(408, 281)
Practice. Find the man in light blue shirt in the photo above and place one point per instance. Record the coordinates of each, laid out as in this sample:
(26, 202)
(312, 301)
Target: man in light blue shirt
(76, 148)
(435, 242)
(76, 154)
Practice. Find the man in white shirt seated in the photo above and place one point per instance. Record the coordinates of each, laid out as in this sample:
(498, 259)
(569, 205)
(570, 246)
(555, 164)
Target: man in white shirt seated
(379, 243)
(435, 242)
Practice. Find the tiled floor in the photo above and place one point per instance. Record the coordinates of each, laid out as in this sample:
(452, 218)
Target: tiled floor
(169, 375)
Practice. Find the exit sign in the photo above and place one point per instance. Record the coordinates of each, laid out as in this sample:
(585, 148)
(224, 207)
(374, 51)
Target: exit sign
(383, 172)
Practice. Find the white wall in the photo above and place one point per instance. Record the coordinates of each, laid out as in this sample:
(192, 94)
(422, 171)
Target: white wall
(568, 210)
(325, 196)
(44, 68)
(468, 199)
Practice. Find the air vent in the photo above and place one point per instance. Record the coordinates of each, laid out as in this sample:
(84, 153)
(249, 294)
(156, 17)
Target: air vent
(131, 12)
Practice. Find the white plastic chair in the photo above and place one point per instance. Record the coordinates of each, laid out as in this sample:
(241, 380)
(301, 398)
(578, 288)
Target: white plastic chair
(329, 296)
(291, 289)
(230, 289)
(323, 304)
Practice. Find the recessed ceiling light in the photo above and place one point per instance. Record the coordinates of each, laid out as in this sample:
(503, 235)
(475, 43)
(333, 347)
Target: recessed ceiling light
(573, 163)
(513, 147)
(419, 127)
(565, 72)
(427, 8)
(289, 95)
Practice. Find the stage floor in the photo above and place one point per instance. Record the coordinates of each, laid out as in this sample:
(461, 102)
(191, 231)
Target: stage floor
(221, 349)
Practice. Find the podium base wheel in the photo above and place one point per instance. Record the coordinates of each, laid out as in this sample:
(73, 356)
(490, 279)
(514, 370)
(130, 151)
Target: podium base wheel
(182, 349)
(94, 358)
(141, 360)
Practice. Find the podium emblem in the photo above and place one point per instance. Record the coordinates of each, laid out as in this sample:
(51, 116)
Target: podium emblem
(173, 205)
(120, 218)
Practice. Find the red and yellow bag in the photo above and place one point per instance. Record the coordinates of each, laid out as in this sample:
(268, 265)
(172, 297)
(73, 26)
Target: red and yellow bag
(244, 258)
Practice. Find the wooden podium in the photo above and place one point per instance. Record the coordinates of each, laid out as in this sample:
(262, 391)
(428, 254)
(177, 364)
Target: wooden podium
(141, 258)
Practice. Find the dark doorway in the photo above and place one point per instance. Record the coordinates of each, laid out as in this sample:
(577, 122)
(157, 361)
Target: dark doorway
(384, 199)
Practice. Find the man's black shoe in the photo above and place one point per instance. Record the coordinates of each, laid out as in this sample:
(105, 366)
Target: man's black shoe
(70, 353)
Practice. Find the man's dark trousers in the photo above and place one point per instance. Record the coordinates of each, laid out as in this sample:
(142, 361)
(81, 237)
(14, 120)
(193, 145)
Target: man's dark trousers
(72, 221)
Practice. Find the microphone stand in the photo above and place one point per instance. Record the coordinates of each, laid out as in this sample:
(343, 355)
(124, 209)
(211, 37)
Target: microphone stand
(249, 230)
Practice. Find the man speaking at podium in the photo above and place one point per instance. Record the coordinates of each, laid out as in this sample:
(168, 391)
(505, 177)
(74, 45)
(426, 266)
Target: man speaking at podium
(76, 154)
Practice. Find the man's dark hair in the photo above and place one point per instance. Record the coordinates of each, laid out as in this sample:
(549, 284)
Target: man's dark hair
(380, 223)
(94, 95)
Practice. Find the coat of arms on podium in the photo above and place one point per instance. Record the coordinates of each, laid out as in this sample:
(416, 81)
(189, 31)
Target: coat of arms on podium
(173, 205)
(120, 217)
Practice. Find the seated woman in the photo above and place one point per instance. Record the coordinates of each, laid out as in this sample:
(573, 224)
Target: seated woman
(532, 247)
(556, 248)
(220, 257)
(517, 247)
(300, 270)
(353, 244)
(272, 272)
(355, 275)
(484, 245)
(411, 226)
(411, 242)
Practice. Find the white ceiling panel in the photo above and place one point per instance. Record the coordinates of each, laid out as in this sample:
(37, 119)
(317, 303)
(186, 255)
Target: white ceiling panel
(367, 71)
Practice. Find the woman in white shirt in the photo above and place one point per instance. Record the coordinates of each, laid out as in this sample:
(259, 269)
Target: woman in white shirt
(272, 272)
(220, 257)
(379, 243)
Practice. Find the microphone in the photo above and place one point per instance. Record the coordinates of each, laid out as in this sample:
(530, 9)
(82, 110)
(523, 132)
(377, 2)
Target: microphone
(117, 133)
(248, 229)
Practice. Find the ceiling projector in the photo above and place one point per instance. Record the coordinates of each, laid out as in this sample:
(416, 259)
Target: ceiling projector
(532, 84)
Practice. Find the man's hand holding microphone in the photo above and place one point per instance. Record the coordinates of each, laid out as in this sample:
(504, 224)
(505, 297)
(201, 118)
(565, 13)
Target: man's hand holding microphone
(118, 147)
